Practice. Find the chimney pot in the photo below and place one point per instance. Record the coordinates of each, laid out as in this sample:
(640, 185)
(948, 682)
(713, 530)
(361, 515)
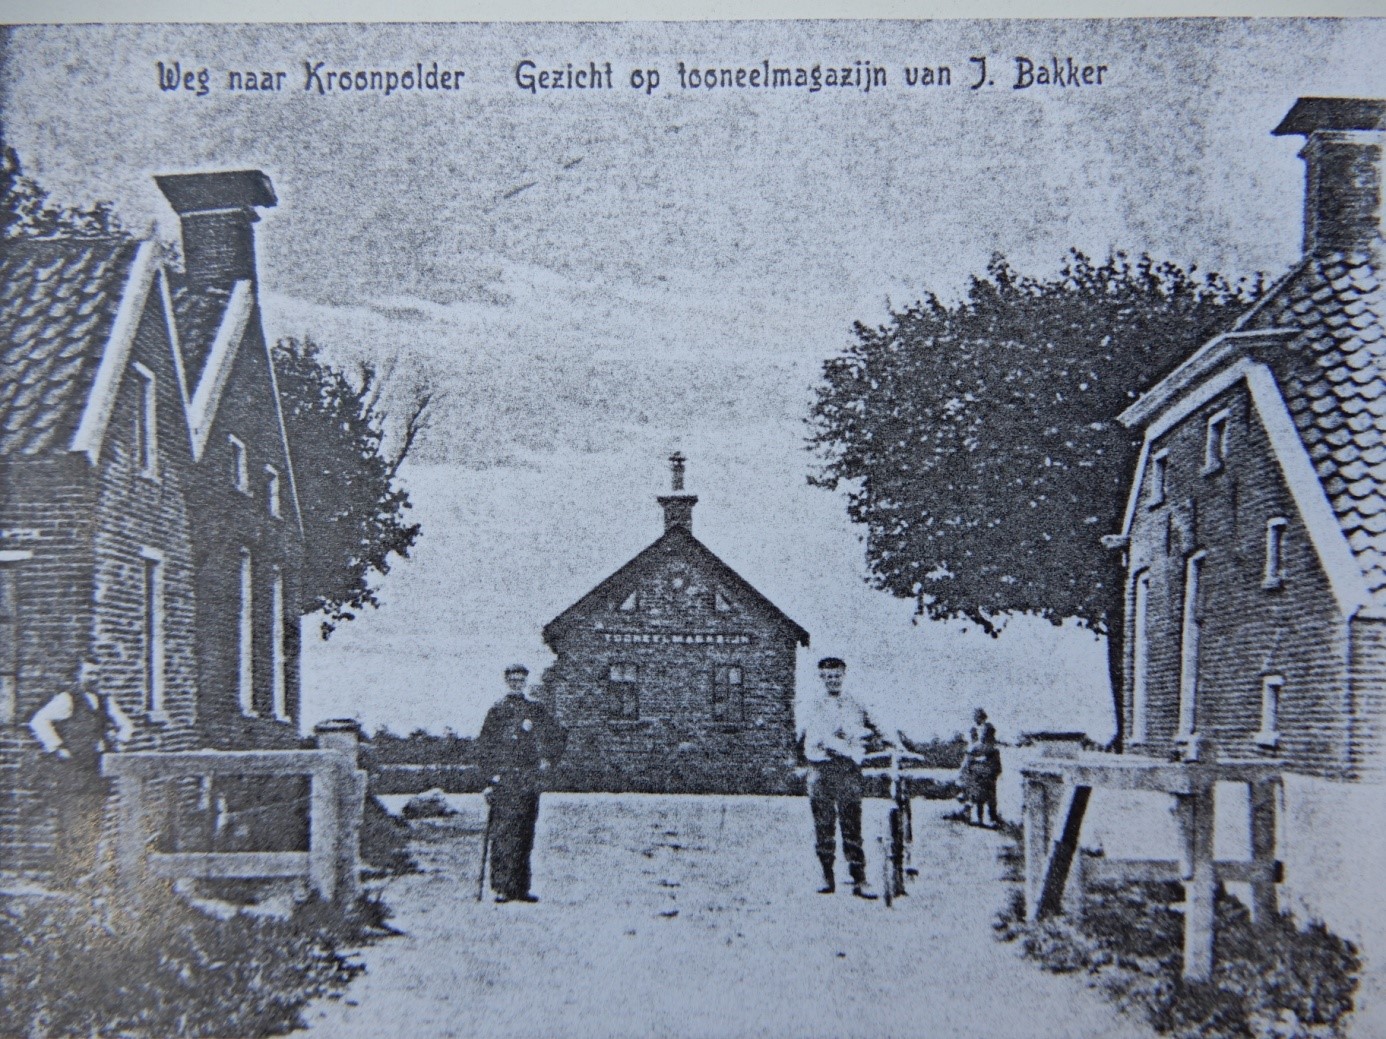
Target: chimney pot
(217, 214)
(1342, 177)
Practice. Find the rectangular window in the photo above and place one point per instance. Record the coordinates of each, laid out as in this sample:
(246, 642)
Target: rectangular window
(245, 639)
(1188, 658)
(279, 697)
(1271, 686)
(147, 422)
(153, 632)
(1275, 546)
(240, 466)
(623, 689)
(9, 641)
(1159, 471)
(272, 490)
(1215, 447)
(1140, 655)
(728, 701)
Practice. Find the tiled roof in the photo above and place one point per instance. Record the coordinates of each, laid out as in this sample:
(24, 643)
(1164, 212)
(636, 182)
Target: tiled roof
(58, 299)
(198, 313)
(1333, 377)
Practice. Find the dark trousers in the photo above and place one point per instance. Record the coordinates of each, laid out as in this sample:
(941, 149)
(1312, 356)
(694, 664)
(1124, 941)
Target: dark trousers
(79, 800)
(834, 790)
(513, 815)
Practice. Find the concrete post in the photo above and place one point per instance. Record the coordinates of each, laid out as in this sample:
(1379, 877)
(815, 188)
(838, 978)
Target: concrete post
(344, 737)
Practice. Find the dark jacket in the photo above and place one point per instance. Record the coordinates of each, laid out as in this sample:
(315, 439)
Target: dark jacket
(518, 733)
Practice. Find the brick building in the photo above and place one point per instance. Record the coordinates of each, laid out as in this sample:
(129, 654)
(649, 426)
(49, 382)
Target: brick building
(674, 673)
(115, 496)
(1255, 531)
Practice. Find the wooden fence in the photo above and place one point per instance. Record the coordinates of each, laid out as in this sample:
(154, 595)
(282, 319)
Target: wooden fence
(331, 863)
(1056, 872)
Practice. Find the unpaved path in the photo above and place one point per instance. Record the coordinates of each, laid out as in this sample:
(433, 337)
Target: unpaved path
(697, 916)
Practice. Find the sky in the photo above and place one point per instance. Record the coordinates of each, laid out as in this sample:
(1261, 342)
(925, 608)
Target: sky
(594, 278)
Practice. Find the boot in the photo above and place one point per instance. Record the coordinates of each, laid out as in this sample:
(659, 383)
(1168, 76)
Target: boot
(829, 880)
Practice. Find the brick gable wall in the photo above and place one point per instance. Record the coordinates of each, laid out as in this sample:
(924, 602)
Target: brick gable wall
(1248, 631)
(676, 743)
(225, 521)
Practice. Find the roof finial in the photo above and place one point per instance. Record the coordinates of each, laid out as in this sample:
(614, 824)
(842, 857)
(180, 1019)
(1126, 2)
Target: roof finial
(676, 464)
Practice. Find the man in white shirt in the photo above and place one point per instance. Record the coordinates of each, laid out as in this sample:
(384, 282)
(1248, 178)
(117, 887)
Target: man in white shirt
(75, 729)
(834, 732)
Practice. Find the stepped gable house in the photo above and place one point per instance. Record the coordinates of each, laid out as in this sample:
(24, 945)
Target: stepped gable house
(139, 437)
(1255, 531)
(674, 673)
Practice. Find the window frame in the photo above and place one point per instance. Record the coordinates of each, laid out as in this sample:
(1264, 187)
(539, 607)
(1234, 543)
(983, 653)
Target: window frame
(279, 685)
(623, 691)
(147, 423)
(240, 464)
(154, 629)
(1272, 700)
(11, 659)
(1215, 448)
(1190, 633)
(730, 706)
(1273, 575)
(245, 636)
(273, 501)
(1159, 477)
(1140, 656)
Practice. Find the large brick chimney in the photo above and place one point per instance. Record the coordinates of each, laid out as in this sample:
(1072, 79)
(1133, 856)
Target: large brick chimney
(678, 507)
(217, 213)
(1342, 170)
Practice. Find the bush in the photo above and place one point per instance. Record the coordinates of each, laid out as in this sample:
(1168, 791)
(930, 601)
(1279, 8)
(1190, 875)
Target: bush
(85, 965)
(1274, 980)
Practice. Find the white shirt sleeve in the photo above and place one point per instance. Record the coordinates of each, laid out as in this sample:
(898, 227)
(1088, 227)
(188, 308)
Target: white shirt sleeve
(58, 709)
(124, 727)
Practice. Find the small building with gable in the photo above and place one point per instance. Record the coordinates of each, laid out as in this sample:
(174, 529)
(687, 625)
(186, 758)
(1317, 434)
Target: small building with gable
(674, 673)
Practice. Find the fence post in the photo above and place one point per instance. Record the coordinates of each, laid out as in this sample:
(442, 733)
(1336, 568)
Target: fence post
(344, 737)
(323, 829)
(1195, 815)
(1264, 904)
(1037, 809)
(132, 840)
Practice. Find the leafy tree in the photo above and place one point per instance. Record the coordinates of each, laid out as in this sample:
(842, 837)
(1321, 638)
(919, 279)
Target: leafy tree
(977, 440)
(27, 212)
(353, 509)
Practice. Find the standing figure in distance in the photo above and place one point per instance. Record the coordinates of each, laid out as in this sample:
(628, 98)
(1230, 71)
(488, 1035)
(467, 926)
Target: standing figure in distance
(75, 729)
(518, 742)
(834, 734)
(981, 769)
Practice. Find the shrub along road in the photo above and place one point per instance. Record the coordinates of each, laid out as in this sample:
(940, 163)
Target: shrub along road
(697, 916)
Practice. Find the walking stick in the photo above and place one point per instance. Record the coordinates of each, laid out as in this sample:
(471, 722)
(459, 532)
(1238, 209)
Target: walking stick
(485, 853)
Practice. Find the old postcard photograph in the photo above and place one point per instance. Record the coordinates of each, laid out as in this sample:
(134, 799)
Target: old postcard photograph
(700, 529)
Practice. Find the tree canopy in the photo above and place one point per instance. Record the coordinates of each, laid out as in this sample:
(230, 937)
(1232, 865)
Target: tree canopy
(27, 211)
(353, 508)
(977, 440)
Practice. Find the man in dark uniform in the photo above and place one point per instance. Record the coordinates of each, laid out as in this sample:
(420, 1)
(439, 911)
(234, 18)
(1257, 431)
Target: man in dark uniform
(519, 740)
(75, 729)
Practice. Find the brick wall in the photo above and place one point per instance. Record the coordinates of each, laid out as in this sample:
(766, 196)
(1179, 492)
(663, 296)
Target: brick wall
(225, 521)
(676, 743)
(1248, 630)
(45, 509)
(136, 515)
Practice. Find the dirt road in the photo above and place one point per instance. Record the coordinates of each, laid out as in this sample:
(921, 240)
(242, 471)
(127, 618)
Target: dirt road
(698, 917)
